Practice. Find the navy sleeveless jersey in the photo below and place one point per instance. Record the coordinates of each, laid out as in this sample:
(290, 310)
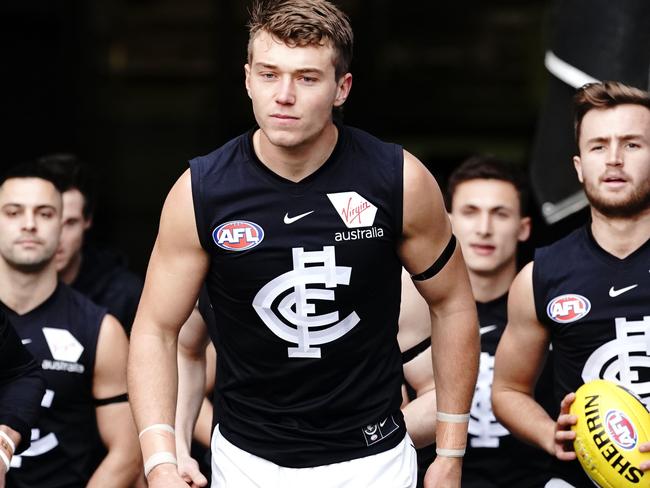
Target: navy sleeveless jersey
(597, 309)
(305, 285)
(61, 334)
(494, 458)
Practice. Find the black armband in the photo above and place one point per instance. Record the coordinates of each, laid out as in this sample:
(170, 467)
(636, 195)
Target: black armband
(100, 402)
(440, 263)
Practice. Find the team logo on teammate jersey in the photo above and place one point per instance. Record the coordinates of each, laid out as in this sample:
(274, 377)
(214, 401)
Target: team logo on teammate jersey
(238, 235)
(568, 308)
(483, 425)
(65, 349)
(624, 360)
(39, 445)
(620, 429)
(286, 304)
(357, 214)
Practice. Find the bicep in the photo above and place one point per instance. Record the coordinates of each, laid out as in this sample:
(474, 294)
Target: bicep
(177, 266)
(109, 377)
(522, 349)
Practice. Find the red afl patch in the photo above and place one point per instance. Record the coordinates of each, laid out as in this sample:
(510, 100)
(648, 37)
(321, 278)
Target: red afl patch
(568, 308)
(237, 235)
(620, 429)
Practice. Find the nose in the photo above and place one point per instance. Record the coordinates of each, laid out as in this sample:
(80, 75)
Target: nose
(29, 221)
(286, 93)
(484, 227)
(615, 155)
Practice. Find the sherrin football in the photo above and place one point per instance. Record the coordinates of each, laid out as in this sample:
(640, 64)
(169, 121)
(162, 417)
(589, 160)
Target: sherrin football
(612, 423)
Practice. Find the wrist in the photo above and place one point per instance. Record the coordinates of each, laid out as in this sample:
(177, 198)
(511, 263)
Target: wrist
(162, 471)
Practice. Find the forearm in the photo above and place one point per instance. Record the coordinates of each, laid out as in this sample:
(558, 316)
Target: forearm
(420, 417)
(9, 439)
(152, 383)
(191, 384)
(524, 418)
(203, 428)
(456, 348)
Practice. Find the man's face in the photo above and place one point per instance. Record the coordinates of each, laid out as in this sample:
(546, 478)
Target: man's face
(72, 232)
(486, 219)
(293, 90)
(614, 161)
(30, 223)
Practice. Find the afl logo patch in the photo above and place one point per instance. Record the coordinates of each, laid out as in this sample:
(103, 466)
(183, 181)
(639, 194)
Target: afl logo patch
(237, 235)
(568, 308)
(620, 429)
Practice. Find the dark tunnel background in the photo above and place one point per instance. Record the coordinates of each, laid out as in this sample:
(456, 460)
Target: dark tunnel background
(138, 87)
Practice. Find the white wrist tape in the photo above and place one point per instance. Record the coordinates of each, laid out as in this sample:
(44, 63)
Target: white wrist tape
(454, 453)
(163, 457)
(5, 460)
(11, 443)
(454, 418)
(163, 427)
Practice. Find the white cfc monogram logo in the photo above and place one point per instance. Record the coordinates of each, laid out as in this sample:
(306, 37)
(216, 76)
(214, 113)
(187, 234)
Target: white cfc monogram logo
(483, 424)
(296, 307)
(621, 359)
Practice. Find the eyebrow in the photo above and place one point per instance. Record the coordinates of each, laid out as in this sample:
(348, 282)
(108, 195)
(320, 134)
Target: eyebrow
(298, 71)
(626, 137)
(37, 207)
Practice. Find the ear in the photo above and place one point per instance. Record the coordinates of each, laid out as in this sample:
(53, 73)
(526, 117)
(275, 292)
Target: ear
(577, 164)
(247, 74)
(88, 223)
(524, 229)
(343, 89)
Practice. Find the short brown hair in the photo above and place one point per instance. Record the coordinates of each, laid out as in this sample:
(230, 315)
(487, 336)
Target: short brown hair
(605, 94)
(488, 167)
(304, 23)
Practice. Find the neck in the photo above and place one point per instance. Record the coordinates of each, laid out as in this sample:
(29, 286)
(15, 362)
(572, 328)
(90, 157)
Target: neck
(296, 162)
(620, 237)
(489, 286)
(71, 271)
(23, 292)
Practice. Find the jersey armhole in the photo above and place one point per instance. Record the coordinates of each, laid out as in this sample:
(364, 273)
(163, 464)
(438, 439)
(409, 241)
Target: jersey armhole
(197, 198)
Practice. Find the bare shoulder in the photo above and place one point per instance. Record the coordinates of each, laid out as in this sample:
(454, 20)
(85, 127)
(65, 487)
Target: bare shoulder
(426, 227)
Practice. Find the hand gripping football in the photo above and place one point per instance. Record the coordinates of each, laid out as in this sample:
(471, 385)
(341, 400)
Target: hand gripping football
(612, 423)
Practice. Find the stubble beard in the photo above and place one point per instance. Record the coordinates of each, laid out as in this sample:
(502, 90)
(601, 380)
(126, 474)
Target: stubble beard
(635, 203)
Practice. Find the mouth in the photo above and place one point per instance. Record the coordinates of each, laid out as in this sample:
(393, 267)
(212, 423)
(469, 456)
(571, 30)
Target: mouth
(283, 117)
(614, 179)
(483, 249)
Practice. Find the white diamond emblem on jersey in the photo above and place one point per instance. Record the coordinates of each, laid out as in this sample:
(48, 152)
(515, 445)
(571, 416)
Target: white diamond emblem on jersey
(354, 210)
(296, 320)
(63, 345)
(620, 360)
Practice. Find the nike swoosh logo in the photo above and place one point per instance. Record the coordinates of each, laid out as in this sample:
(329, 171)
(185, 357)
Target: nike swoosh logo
(382, 423)
(26, 341)
(614, 293)
(291, 220)
(486, 329)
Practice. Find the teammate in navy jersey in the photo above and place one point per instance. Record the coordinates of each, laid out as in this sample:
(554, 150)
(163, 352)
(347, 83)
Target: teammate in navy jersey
(300, 229)
(98, 273)
(588, 293)
(21, 389)
(487, 200)
(81, 350)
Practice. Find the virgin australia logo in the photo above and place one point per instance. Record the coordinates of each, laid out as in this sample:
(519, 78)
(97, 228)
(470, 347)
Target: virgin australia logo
(296, 320)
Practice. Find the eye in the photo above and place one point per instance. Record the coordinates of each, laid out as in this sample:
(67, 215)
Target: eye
(11, 211)
(632, 145)
(267, 75)
(309, 79)
(46, 214)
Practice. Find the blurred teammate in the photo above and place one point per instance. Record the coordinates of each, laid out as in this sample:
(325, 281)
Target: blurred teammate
(98, 273)
(589, 293)
(81, 350)
(301, 228)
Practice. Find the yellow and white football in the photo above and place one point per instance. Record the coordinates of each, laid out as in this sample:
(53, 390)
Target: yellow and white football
(612, 423)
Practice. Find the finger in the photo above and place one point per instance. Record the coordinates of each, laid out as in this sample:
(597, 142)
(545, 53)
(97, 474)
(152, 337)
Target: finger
(565, 455)
(562, 436)
(565, 405)
(645, 466)
(645, 447)
(566, 420)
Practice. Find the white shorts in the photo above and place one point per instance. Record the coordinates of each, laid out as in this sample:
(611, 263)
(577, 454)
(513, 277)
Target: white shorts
(558, 483)
(233, 467)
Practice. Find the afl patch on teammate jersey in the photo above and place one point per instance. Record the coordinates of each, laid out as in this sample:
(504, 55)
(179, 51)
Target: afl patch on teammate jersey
(238, 235)
(568, 308)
